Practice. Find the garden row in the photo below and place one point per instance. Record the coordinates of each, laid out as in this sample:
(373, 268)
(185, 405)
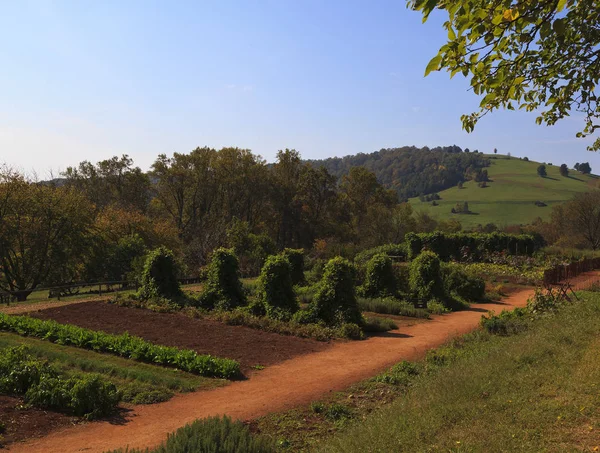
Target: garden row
(121, 345)
(331, 303)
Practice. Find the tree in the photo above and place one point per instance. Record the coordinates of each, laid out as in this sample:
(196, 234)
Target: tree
(541, 171)
(44, 233)
(528, 54)
(583, 213)
(584, 168)
(564, 170)
(495, 151)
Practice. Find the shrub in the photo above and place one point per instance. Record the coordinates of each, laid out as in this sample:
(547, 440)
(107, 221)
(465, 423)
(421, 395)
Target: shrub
(401, 277)
(335, 301)
(275, 289)
(296, 259)
(426, 277)
(506, 323)
(391, 306)
(122, 345)
(458, 282)
(159, 276)
(212, 435)
(376, 324)
(351, 331)
(403, 373)
(223, 289)
(396, 250)
(379, 279)
(85, 396)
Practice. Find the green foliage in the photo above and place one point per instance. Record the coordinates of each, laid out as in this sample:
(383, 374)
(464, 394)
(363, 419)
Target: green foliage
(391, 306)
(457, 281)
(379, 279)
(212, 435)
(122, 345)
(335, 301)
(296, 259)
(471, 246)
(275, 288)
(396, 250)
(541, 171)
(223, 289)
(426, 277)
(85, 396)
(159, 277)
(376, 324)
(485, 40)
(506, 323)
(403, 373)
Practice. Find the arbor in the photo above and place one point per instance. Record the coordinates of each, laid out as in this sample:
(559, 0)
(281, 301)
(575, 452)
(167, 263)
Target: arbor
(44, 232)
(564, 170)
(525, 54)
(541, 171)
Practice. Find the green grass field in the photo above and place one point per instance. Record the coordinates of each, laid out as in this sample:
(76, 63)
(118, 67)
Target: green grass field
(510, 196)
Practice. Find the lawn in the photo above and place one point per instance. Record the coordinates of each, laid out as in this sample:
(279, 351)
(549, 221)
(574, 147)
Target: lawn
(535, 391)
(511, 194)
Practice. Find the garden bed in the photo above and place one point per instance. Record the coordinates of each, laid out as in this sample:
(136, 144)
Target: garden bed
(248, 346)
(20, 424)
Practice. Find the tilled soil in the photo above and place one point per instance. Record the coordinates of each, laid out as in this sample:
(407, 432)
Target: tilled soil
(250, 347)
(20, 424)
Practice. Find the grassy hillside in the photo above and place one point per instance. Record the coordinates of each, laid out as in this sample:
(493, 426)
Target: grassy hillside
(511, 194)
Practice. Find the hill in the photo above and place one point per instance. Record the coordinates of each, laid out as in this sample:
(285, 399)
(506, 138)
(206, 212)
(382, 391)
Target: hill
(409, 170)
(511, 194)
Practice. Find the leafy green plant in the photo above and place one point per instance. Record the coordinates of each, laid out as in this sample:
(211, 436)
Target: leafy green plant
(223, 289)
(275, 289)
(426, 277)
(86, 396)
(159, 276)
(122, 345)
(379, 279)
(335, 301)
(296, 259)
(391, 306)
(457, 281)
(212, 435)
(506, 323)
(376, 324)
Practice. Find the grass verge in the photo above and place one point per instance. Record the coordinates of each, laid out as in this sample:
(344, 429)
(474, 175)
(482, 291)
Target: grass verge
(537, 390)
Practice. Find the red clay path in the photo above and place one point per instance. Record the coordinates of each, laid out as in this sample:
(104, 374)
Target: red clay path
(280, 387)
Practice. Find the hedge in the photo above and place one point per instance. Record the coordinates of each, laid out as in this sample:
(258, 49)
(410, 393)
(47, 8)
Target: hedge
(461, 246)
(125, 345)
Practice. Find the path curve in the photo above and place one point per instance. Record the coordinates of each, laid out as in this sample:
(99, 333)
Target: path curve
(292, 383)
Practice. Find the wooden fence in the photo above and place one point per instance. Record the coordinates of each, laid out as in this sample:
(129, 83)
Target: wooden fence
(569, 271)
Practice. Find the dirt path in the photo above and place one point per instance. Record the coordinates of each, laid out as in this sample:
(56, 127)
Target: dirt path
(291, 383)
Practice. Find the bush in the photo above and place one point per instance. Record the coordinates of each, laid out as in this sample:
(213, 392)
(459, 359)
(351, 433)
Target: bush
(212, 435)
(296, 259)
(401, 277)
(506, 323)
(375, 324)
(275, 289)
(379, 279)
(391, 306)
(223, 289)
(122, 345)
(335, 301)
(159, 276)
(426, 277)
(403, 373)
(396, 250)
(85, 396)
(458, 282)
(473, 246)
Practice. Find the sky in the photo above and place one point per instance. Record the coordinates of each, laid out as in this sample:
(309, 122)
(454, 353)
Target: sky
(83, 80)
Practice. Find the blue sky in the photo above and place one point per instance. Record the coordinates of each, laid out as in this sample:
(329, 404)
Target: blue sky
(86, 80)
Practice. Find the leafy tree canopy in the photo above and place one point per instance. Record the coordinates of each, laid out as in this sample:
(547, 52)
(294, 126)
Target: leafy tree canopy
(525, 54)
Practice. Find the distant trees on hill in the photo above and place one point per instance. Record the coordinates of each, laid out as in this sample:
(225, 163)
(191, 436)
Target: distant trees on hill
(564, 170)
(541, 171)
(583, 168)
(412, 171)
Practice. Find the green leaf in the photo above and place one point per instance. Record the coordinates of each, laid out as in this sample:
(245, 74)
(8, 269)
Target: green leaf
(433, 65)
(559, 26)
(561, 5)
